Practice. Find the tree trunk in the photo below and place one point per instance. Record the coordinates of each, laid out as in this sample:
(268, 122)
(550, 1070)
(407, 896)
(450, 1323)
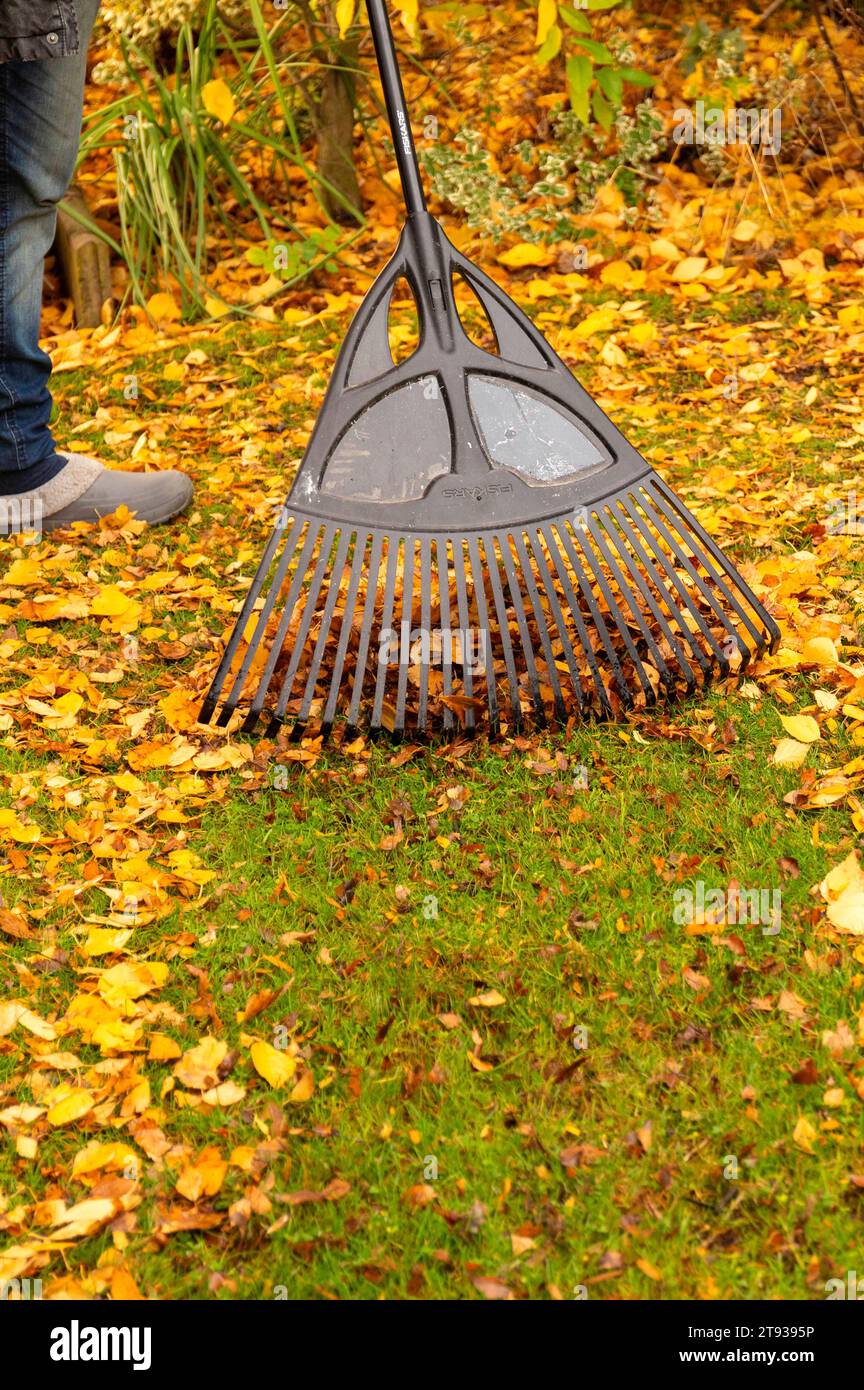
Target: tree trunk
(334, 126)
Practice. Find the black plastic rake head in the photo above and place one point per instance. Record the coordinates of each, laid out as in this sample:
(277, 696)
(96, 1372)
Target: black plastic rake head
(469, 540)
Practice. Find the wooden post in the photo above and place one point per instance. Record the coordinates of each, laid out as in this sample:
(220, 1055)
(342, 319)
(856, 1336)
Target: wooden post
(84, 261)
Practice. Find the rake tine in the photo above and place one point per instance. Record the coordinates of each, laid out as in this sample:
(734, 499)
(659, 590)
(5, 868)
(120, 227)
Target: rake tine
(369, 601)
(550, 537)
(674, 510)
(386, 627)
(622, 520)
(211, 699)
(344, 634)
(656, 517)
(323, 635)
(483, 621)
(300, 640)
(405, 647)
(536, 551)
(611, 524)
(501, 612)
(425, 630)
(680, 538)
(386, 619)
(597, 527)
(446, 631)
(615, 611)
(599, 623)
(267, 607)
(518, 601)
(273, 593)
(675, 584)
(542, 629)
(717, 580)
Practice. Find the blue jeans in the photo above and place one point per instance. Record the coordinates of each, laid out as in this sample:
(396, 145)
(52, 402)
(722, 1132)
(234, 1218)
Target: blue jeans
(40, 127)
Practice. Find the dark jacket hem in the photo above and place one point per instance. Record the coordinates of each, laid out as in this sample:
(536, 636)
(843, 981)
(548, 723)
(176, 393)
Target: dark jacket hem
(39, 29)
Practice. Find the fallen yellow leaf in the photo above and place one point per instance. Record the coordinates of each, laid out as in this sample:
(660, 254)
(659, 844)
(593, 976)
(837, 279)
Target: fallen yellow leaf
(218, 100)
(745, 231)
(303, 1090)
(790, 753)
(72, 1106)
(803, 1135)
(199, 1067)
(802, 727)
(163, 306)
(843, 890)
(490, 1000)
(204, 1177)
(276, 1067)
(344, 16)
(526, 253)
(94, 1157)
(689, 269)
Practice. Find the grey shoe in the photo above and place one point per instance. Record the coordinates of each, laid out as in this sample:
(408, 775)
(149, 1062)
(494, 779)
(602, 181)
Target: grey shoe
(153, 497)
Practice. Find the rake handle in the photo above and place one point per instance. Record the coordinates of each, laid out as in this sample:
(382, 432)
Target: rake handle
(394, 98)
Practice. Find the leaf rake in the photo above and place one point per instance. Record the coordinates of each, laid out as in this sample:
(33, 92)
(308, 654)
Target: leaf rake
(469, 540)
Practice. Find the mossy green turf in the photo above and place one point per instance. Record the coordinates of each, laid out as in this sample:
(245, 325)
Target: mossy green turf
(686, 1179)
(573, 924)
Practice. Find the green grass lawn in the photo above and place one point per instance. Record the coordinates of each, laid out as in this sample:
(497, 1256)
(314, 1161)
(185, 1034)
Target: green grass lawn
(627, 1122)
(650, 1155)
(528, 1069)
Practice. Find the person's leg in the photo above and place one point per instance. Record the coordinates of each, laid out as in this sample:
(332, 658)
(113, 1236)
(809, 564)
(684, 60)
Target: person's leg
(40, 488)
(40, 125)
